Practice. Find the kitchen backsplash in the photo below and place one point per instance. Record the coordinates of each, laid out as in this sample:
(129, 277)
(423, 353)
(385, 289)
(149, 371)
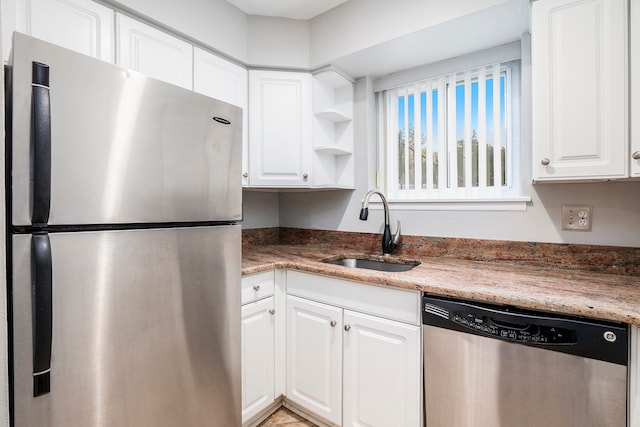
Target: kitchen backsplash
(601, 259)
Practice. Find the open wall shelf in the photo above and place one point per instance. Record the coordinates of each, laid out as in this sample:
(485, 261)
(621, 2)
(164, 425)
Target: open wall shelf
(333, 129)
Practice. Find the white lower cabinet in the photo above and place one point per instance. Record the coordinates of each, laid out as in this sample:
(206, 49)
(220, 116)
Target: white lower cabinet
(381, 370)
(347, 367)
(314, 357)
(258, 350)
(346, 353)
(260, 356)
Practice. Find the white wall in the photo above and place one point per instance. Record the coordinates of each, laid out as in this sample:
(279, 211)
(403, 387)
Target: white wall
(278, 42)
(616, 205)
(616, 216)
(358, 25)
(260, 209)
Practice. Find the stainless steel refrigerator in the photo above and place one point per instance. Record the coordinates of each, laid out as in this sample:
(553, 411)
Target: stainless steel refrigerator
(124, 248)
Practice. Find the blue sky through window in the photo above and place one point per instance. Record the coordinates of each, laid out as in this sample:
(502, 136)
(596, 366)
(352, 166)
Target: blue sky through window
(460, 111)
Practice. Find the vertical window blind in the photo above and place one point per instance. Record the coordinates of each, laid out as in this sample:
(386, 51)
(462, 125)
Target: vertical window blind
(449, 137)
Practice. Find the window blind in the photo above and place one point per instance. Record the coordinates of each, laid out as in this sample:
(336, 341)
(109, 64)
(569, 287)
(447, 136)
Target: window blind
(448, 136)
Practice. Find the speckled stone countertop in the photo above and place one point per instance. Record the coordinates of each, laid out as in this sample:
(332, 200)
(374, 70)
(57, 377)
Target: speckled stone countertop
(594, 295)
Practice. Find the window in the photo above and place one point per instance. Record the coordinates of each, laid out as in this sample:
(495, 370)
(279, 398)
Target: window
(454, 137)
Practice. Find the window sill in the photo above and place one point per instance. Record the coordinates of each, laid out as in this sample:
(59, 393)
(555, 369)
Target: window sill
(497, 204)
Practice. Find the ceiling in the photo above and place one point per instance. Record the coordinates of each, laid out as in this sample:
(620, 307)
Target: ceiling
(294, 9)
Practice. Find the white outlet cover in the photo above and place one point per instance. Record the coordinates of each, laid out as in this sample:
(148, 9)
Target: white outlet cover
(577, 217)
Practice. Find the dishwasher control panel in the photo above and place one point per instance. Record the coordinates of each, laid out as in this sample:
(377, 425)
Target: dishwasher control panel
(526, 333)
(595, 339)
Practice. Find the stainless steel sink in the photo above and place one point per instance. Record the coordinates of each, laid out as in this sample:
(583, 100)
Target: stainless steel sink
(391, 265)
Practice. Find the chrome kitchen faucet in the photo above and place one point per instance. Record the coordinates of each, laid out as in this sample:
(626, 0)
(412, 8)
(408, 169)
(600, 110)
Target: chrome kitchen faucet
(388, 243)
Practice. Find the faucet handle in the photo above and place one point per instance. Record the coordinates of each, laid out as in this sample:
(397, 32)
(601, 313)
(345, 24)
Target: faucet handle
(389, 243)
(396, 236)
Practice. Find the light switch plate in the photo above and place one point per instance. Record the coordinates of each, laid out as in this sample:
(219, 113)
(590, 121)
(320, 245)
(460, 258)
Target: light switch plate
(577, 217)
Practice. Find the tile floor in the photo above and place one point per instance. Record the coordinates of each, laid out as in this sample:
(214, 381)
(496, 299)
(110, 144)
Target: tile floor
(284, 417)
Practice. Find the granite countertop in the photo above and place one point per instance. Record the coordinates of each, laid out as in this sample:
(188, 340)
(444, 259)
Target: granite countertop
(594, 295)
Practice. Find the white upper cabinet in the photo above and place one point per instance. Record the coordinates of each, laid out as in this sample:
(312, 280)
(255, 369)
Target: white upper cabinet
(221, 79)
(148, 50)
(218, 78)
(300, 129)
(80, 25)
(635, 89)
(279, 129)
(579, 57)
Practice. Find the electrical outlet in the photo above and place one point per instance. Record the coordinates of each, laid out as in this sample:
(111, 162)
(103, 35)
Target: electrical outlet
(577, 217)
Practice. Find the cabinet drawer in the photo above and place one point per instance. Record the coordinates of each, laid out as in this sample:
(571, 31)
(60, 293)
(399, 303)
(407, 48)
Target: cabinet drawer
(391, 303)
(257, 286)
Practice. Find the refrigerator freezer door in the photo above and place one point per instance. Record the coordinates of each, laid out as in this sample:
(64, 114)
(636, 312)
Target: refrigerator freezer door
(125, 148)
(146, 329)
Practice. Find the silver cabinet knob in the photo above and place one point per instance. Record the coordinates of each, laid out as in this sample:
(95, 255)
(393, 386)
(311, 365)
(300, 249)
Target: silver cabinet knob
(347, 328)
(305, 176)
(256, 288)
(636, 155)
(245, 175)
(272, 311)
(333, 323)
(545, 162)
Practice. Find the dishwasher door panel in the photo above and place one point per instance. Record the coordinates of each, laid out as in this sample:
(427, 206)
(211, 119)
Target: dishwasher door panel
(484, 382)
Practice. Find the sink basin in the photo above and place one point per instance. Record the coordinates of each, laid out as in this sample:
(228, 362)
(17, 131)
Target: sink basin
(391, 265)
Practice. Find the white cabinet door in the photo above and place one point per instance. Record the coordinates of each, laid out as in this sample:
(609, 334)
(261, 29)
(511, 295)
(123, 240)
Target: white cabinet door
(381, 372)
(314, 357)
(279, 129)
(579, 50)
(258, 363)
(218, 78)
(635, 89)
(153, 52)
(80, 25)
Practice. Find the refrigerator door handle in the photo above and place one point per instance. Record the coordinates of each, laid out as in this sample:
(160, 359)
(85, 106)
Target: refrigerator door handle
(41, 143)
(42, 312)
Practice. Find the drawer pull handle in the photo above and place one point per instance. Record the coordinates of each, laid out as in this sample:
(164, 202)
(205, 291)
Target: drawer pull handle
(256, 288)
(545, 162)
(347, 328)
(333, 323)
(636, 155)
(272, 311)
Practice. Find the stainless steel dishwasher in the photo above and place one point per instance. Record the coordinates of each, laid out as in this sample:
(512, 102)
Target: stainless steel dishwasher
(499, 366)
